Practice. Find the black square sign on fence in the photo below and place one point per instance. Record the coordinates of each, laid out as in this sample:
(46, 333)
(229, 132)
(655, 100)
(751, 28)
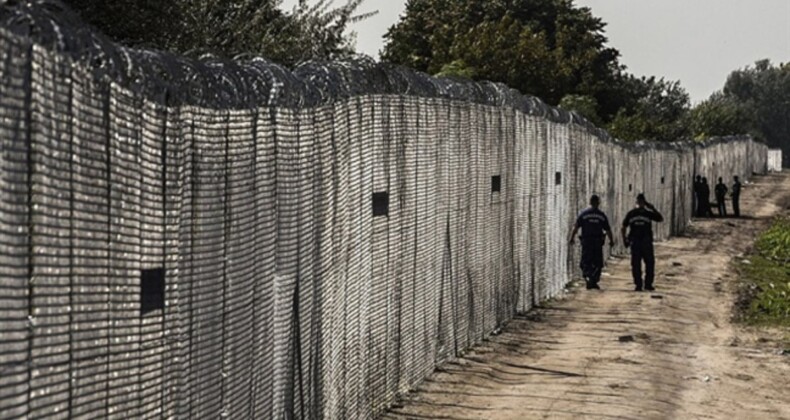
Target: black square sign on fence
(152, 290)
(381, 204)
(496, 183)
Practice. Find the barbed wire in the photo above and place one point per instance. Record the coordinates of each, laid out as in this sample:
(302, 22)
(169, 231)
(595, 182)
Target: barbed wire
(210, 82)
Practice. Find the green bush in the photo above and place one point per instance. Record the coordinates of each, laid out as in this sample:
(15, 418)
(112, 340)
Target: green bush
(765, 291)
(765, 294)
(774, 244)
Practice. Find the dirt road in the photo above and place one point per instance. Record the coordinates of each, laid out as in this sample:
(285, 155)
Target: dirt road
(686, 359)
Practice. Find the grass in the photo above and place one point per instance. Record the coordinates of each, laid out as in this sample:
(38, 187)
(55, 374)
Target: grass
(774, 243)
(764, 291)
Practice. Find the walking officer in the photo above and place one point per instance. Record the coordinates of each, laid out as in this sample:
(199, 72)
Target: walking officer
(638, 235)
(594, 224)
(736, 197)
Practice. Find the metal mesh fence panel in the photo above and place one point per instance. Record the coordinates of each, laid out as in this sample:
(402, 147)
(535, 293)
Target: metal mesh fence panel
(90, 260)
(50, 199)
(16, 258)
(241, 274)
(175, 296)
(207, 278)
(152, 257)
(126, 256)
(264, 245)
(189, 239)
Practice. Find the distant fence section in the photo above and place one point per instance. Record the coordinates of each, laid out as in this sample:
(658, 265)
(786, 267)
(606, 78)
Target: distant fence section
(206, 239)
(775, 160)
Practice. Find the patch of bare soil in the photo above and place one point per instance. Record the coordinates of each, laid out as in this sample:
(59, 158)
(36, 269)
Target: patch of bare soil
(674, 353)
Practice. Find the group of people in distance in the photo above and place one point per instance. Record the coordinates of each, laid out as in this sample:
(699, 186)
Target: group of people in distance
(637, 233)
(702, 206)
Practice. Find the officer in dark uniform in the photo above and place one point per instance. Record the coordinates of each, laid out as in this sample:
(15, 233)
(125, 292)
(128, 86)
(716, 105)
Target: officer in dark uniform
(698, 196)
(638, 234)
(593, 223)
(705, 198)
(721, 197)
(736, 197)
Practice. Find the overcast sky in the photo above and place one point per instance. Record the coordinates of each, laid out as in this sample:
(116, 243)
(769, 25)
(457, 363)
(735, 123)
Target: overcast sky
(698, 42)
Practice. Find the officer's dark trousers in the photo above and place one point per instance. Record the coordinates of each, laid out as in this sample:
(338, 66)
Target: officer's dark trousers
(736, 205)
(707, 209)
(697, 206)
(722, 206)
(592, 259)
(643, 251)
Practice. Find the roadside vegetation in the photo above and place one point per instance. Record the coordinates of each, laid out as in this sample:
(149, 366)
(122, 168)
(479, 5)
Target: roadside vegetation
(764, 290)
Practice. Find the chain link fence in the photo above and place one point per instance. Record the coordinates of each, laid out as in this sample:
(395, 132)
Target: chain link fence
(203, 239)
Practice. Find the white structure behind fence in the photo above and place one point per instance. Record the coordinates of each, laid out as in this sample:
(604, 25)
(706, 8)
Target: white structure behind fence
(775, 160)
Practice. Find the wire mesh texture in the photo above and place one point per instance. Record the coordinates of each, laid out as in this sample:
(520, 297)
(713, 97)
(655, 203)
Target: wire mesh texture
(193, 239)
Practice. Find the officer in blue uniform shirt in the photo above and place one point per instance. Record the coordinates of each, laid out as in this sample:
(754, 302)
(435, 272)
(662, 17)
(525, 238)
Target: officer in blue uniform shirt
(638, 235)
(593, 224)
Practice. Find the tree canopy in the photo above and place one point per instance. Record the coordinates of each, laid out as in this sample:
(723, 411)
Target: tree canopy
(227, 28)
(721, 115)
(654, 109)
(546, 48)
(762, 93)
(551, 49)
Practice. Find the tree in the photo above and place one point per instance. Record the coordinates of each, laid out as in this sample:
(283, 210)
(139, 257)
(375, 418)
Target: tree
(457, 68)
(317, 32)
(764, 90)
(585, 106)
(490, 54)
(655, 109)
(227, 28)
(133, 22)
(546, 48)
(755, 100)
(720, 115)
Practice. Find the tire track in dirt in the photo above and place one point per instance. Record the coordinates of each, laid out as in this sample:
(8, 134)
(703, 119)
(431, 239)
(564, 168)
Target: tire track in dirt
(685, 359)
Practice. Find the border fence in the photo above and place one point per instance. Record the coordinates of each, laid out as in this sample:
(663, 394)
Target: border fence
(201, 239)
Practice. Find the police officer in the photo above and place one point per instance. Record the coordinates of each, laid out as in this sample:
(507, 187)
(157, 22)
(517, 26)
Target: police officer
(721, 197)
(698, 196)
(736, 197)
(593, 223)
(705, 198)
(638, 234)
